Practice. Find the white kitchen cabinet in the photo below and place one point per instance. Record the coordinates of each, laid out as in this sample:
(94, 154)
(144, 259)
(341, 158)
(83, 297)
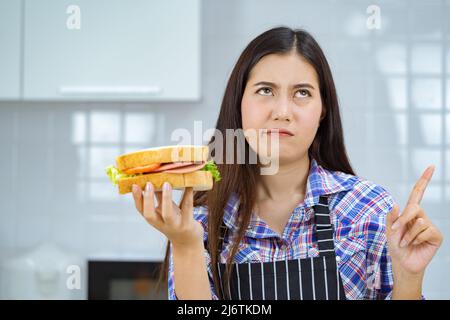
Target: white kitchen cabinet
(123, 50)
(10, 52)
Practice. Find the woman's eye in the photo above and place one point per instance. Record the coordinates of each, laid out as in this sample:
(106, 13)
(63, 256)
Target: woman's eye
(303, 93)
(265, 91)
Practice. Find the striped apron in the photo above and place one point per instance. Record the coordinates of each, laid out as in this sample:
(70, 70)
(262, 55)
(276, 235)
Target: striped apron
(315, 278)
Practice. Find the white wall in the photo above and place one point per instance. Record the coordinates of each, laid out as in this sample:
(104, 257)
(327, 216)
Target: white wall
(393, 84)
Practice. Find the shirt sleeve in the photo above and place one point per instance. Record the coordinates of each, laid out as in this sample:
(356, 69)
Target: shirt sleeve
(171, 283)
(384, 290)
(200, 214)
(380, 279)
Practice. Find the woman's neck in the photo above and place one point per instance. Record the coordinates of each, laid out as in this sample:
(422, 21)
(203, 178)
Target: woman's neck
(290, 181)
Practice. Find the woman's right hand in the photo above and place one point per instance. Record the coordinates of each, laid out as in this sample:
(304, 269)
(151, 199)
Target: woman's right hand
(176, 223)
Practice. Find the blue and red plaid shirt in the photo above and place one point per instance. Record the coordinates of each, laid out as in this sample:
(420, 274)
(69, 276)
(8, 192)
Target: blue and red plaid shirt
(358, 210)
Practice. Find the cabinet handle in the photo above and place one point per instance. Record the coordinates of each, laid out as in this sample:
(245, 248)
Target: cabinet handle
(95, 90)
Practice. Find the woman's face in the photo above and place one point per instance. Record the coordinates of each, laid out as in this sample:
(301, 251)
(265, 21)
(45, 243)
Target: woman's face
(282, 92)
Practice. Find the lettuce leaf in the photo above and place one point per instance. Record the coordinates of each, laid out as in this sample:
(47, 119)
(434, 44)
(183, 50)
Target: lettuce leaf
(211, 167)
(115, 174)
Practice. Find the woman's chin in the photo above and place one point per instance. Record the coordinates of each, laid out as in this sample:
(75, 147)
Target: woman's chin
(280, 159)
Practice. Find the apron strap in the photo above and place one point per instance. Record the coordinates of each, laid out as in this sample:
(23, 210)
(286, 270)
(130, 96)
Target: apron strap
(324, 227)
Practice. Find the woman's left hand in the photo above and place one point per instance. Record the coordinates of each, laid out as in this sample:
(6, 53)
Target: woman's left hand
(412, 238)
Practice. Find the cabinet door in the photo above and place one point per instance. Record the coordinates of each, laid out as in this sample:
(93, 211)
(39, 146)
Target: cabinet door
(123, 50)
(10, 52)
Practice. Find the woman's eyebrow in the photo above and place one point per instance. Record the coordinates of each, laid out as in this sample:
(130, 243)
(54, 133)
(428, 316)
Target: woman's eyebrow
(271, 84)
(304, 85)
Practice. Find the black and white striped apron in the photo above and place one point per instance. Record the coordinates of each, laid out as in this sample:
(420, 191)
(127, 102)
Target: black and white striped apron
(314, 278)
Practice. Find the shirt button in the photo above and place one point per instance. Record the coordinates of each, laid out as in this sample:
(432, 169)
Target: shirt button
(283, 247)
(338, 259)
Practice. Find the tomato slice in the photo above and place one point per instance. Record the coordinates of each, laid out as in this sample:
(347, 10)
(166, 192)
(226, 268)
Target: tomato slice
(143, 169)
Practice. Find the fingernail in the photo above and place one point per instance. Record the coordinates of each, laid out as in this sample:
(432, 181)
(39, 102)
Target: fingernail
(403, 243)
(148, 186)
(134, 188)
(395, 226)
(166, 186)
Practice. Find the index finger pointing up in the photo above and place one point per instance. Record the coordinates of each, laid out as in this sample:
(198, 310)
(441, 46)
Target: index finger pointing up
(419, 188)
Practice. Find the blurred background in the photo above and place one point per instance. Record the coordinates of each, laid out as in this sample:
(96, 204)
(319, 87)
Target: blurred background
(82, 81)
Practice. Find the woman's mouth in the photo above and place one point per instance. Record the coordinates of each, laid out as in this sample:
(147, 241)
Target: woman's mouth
(279, 132)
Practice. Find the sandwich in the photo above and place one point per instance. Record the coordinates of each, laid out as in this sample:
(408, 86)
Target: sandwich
(181, 165)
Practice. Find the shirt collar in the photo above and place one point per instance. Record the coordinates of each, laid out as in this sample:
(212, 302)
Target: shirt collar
(320, 182)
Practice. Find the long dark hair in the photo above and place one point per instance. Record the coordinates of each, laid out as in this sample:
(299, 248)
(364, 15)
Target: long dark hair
(327, 148)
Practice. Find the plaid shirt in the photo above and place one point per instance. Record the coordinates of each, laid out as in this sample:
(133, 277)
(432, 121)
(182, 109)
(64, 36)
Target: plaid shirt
(358, 210)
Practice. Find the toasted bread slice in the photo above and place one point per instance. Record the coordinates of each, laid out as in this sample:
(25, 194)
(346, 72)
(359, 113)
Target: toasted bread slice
(164, 154)
(200, 180)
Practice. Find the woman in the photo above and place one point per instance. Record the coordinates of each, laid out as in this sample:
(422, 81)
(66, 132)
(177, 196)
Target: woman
(313, 230)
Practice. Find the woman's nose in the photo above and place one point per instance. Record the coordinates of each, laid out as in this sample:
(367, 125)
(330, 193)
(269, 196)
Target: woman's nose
(283, 110)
